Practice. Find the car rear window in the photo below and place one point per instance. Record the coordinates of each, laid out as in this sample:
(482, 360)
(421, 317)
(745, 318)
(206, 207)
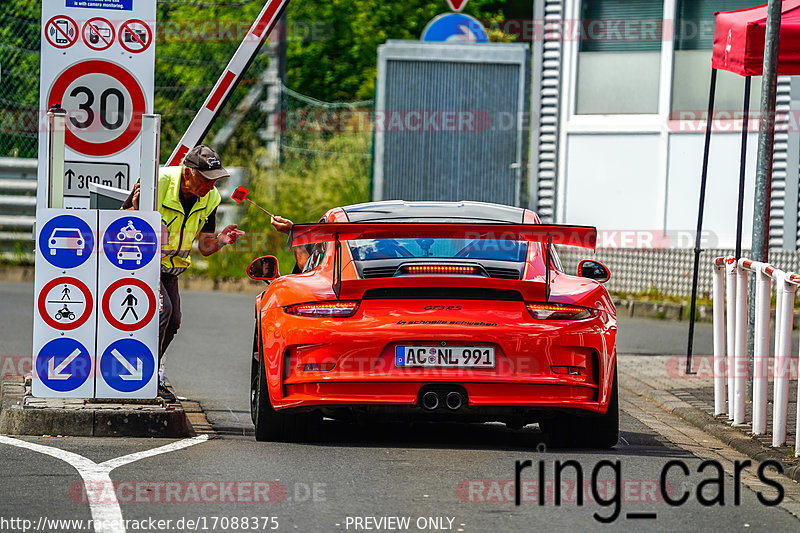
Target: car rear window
(485, 249)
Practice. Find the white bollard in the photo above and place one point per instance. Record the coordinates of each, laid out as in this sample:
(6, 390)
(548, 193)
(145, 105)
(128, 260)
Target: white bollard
(783, 349)
(761, 346)
(740, 348)
(148, 173)
(718, 291)
(730, 308)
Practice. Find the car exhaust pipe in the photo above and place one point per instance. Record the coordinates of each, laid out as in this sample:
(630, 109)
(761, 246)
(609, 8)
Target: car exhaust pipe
(430, 400)
(454, 401)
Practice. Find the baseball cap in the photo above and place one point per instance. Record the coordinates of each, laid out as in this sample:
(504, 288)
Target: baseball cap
(205, 160)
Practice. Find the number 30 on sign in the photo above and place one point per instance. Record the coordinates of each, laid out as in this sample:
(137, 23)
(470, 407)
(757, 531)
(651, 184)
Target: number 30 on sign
(104, 103)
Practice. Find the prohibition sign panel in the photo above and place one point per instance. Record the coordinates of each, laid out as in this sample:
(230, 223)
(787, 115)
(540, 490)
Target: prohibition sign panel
(135, 36)
(61, 31)
(105, 103)
(55, 300)
(98, 34)
(127, 304)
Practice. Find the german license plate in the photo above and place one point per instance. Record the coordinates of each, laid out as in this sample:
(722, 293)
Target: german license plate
(445, 356)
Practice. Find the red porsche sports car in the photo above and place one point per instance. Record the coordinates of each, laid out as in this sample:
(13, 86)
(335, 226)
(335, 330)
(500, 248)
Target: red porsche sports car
(436, 311)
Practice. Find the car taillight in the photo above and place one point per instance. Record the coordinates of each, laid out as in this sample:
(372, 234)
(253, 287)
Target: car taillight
(324, 309)
(440, 269)
(548, 311)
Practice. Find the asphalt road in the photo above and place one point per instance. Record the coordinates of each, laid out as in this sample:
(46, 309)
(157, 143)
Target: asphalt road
(441, 478)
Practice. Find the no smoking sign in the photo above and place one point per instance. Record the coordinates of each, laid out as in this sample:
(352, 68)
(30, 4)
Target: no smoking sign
(104, 103)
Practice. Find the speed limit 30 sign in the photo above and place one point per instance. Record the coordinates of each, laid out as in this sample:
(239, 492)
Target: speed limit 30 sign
(106, 103)
(98, 64)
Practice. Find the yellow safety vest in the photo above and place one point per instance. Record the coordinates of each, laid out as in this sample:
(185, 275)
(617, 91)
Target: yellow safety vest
(183, 228)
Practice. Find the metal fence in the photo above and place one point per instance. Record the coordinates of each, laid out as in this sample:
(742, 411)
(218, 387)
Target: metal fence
(664, 272)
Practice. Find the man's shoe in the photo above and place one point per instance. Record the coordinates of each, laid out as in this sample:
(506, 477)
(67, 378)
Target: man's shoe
(165, 394)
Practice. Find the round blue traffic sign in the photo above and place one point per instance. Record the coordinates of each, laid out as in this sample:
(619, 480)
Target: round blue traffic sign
(127, 365)
(66, 241)
(130, 243)
(63, 364)
(455, 28)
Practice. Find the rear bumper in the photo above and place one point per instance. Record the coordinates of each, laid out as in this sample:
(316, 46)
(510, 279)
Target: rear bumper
(511, 395)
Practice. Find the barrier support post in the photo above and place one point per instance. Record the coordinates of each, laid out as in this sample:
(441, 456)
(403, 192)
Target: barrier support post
(148, 173)
(740, 349)
(718, 300)
(783, 349)
(763, 295)
(56, 146)
(730, 324)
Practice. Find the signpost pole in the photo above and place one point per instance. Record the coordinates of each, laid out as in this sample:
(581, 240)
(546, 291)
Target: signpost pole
(151, 154)
(766, 143)
(56, 143)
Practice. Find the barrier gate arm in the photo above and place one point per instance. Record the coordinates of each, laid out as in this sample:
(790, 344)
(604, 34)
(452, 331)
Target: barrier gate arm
(238, 65)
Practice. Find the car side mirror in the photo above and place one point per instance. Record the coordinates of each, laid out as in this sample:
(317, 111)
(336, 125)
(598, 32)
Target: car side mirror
(594, 270)
(264, 268)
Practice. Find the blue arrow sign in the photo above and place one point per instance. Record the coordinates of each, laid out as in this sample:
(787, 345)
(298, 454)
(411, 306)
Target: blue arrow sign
(63, 364)
(66, 241)
(130, 243)
(127, 365)
(455, 28)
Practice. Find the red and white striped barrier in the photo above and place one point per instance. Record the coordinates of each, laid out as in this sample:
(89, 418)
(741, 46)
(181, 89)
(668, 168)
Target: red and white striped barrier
(730, 298)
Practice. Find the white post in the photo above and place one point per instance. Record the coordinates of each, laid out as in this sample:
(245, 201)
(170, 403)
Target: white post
(148, 173)
(783, 349)
(739, 354)
(730, 304)
(761, 347)
(56, 145)
(717, 294)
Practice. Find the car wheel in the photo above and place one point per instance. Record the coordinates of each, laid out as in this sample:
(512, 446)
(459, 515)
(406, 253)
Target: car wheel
(601, 432)
(272, 425)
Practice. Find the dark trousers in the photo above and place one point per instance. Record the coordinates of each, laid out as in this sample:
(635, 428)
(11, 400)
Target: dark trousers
(169, 320)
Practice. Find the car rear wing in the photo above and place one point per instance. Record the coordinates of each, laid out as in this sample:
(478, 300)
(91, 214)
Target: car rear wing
(304, 234)
(581, 236)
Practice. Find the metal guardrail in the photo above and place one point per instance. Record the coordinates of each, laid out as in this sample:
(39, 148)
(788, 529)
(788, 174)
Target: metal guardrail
(18, 205)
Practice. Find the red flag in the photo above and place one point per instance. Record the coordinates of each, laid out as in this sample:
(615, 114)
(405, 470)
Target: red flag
(457, 5)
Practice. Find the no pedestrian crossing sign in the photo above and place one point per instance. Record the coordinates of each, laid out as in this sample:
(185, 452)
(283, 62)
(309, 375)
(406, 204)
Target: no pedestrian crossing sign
(97, 63)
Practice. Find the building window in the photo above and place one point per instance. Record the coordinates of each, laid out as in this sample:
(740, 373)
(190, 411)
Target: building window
(619, 57)
(691, 75)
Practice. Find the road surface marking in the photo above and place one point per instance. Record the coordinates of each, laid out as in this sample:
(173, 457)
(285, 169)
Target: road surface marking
(97, 474)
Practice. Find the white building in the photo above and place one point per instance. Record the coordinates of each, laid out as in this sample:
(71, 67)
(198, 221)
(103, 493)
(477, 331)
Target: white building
(624, 92)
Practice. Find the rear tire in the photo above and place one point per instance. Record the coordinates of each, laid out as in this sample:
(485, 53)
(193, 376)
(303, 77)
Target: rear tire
(271, 425)
(600, 432)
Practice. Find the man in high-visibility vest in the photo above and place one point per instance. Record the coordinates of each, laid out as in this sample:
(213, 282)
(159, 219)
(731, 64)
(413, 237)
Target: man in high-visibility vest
(187, 201)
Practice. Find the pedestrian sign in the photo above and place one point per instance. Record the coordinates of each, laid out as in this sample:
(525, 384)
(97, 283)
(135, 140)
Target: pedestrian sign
(66, 241)
(62, 365)
(129, 304)
(127, 365)
(130, 243)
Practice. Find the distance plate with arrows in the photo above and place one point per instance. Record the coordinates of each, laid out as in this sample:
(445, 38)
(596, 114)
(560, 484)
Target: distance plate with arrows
(78, 175)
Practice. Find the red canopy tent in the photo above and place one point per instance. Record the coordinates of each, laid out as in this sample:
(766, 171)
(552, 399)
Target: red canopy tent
(739, 48)
(739, 40)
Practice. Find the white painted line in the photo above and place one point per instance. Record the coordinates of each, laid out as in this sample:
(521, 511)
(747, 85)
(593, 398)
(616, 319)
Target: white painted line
(97, 475)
